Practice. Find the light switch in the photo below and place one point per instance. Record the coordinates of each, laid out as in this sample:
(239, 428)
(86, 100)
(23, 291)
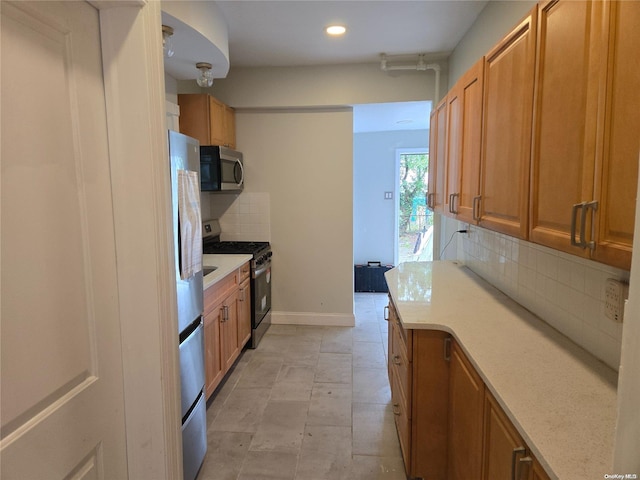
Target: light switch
(388, 195)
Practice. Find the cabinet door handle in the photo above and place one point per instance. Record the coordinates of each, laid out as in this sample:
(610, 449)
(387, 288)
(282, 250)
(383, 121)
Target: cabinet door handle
(242, 295)
(386, 313)
(514, 455)
(574, 216)
(396, 409)
(523, 461)
(476, 208)
(396, 360)
(225, 313)
(452, 203)
(583, 225)
(430, 202)
(447, 349)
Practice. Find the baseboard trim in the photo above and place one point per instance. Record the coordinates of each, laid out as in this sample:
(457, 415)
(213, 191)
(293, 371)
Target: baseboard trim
(311, 318)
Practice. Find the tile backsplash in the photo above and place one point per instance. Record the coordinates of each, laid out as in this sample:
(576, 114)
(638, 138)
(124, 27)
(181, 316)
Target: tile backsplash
(248, 218)
(566, 291)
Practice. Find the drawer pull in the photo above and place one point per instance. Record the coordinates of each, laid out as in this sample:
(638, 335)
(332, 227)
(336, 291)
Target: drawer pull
(447, 349)
(396, 409)
(386, 313)
(514, 455)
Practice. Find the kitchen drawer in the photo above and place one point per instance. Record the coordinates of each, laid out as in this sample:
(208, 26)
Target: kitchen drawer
(401, 410)
(244, 271)
(220, 290)
(399, 360)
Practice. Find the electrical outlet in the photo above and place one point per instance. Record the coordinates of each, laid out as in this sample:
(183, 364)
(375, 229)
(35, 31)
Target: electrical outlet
(616, 293)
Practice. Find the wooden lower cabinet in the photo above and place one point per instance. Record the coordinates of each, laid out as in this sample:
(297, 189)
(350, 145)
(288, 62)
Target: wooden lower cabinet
(244, 312)
(506, 456)
(227, 316)
(417, 369)
(449, 426)
(212, 358)
(466, 406)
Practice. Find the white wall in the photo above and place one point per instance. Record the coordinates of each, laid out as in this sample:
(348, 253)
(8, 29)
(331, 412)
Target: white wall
(298, 151)
(374, 172)
(303, 160)
(334, 85)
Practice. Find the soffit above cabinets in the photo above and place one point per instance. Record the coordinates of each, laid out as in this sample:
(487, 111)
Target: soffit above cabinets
(199, 35)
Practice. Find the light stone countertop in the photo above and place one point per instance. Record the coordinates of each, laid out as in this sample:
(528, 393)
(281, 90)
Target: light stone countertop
(561, 399)
(226, 264)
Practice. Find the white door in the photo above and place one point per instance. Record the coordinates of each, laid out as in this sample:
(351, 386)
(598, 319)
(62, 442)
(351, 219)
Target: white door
(62, 412)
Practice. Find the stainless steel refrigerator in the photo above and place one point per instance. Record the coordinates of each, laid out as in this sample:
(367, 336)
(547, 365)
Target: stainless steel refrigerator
(184, 154)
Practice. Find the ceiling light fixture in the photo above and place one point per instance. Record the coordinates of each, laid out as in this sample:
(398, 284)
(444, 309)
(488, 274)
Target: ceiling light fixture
(167, 43)
(335, 30)
(206, 74)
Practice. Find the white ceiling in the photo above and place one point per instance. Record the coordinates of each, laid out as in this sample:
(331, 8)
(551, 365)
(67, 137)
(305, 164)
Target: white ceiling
(291, 32)
(266, 33)
(385, 117)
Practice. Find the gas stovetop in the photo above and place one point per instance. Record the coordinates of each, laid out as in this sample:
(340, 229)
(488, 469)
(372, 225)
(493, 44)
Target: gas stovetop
(211, 243)
(253, 248)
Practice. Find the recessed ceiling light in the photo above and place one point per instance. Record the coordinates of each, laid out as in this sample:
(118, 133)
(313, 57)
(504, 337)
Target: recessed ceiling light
(335, 29)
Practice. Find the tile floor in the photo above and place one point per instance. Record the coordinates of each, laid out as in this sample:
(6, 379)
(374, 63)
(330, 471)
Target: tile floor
(310, 403)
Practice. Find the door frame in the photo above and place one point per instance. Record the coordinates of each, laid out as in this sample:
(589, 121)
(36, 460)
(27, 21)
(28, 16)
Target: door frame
(133, 69)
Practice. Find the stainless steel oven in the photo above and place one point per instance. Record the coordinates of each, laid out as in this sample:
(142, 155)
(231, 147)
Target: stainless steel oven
(261, 293)
(260, 274)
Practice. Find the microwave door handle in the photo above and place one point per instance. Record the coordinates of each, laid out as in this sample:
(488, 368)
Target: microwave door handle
(239, 163)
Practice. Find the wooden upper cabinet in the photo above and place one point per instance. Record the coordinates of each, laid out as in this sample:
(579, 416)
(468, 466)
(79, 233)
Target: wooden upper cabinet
(506, 146)
(437, 157)
(451, 162)
(570, 74)
(207, 119)
(585, 143)
(464, 144)
(615, 188)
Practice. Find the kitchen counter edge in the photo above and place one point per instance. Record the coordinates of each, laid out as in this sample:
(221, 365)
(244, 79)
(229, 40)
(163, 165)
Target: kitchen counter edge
(225, 263)
(561, 398)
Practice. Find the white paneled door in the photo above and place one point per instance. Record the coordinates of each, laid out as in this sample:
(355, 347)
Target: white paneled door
(62, 413)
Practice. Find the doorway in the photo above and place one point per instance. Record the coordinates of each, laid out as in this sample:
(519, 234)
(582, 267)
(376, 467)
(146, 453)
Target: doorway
(380, 132)
(414, 222)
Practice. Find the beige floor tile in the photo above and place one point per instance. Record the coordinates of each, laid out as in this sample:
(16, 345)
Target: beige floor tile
(242, 412)
(259, 374)
(368, 355)
(282, 427)
(371, 385)
(330, 405)
(310, 403)
(334, 368)
(269, 466)
(374, 430)
(337, 340)
(325, 453)
(292, 392)
(369, 467)
(226, 452)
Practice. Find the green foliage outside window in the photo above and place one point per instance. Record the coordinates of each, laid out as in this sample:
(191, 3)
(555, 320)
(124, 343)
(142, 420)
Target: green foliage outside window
(414, 216)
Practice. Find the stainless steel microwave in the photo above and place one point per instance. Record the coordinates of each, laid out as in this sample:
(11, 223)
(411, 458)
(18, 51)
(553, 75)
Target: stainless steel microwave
(221, 169)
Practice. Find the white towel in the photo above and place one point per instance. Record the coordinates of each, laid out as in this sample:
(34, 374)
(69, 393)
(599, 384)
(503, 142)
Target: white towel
(190, 223)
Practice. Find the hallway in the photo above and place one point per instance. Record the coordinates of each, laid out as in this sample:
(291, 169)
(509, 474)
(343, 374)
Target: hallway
(310, 403)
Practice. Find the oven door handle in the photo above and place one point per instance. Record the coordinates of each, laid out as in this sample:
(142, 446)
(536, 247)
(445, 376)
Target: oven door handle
(263, 268)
